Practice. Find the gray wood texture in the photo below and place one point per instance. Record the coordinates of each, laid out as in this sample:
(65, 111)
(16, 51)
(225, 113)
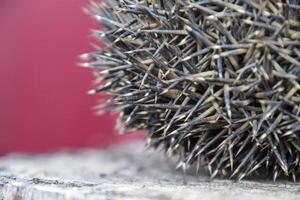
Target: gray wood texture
(126, 172)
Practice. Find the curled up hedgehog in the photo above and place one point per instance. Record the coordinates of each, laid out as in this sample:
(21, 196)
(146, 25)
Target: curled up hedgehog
(211, 81)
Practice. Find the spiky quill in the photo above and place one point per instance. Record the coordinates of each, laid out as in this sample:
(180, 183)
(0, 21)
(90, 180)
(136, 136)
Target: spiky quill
(216, 82)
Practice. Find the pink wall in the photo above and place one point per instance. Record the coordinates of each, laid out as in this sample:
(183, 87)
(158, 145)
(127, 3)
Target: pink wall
(43, 100)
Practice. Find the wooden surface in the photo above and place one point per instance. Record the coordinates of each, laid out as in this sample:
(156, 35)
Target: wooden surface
(124, 172)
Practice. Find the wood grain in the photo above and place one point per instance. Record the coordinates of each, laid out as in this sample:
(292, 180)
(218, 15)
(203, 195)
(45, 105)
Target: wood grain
(125, 172)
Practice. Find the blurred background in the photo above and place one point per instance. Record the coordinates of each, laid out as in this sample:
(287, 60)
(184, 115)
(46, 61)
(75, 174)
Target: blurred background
(44, 104)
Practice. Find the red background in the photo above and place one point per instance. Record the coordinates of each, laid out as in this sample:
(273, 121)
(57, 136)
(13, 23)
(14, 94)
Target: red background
(43, 100)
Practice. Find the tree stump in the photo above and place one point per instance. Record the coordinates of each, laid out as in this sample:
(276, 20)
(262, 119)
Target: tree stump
(126, 172)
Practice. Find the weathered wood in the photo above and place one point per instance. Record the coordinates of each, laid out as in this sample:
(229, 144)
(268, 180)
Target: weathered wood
(124, 172)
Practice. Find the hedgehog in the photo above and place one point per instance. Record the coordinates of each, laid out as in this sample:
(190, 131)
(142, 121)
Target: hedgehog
(215, 83)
